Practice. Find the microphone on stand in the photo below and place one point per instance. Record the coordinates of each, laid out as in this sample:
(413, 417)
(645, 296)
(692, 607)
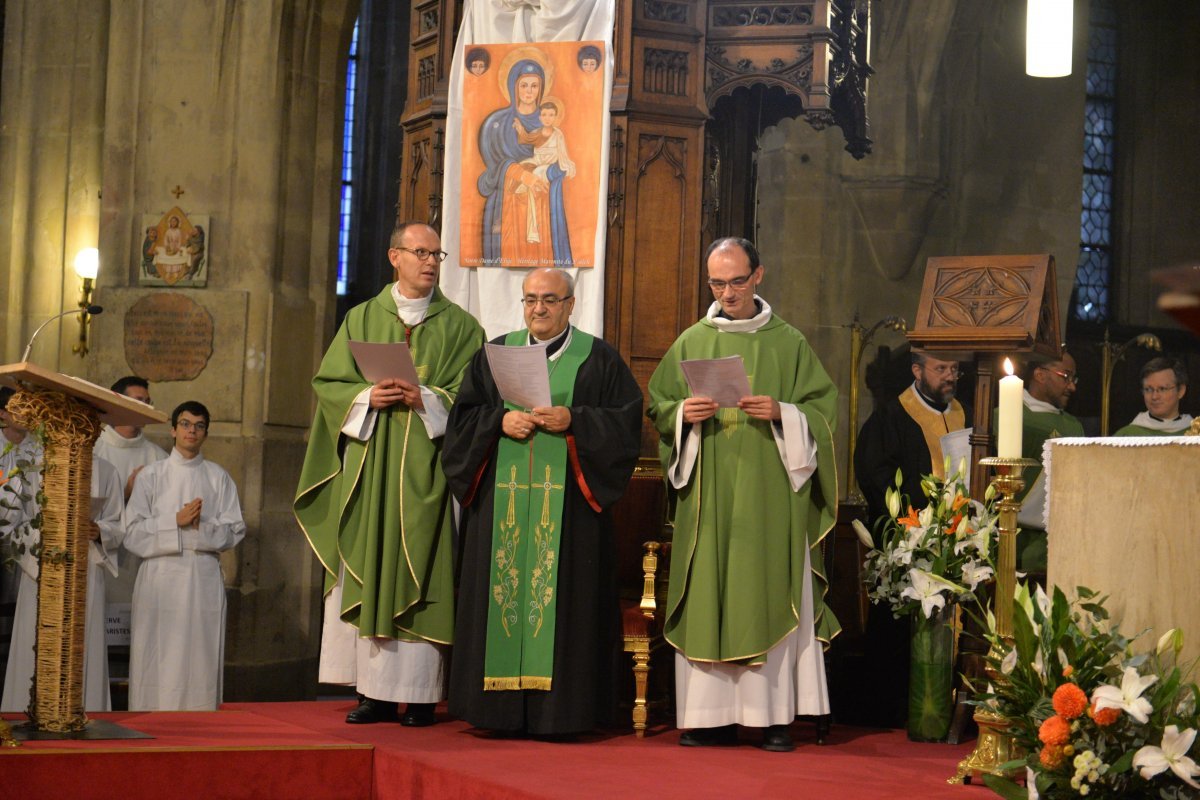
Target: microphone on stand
(93, 310)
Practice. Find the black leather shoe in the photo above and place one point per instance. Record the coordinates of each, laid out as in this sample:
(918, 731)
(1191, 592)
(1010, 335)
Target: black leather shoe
(777, 739)
(419, 715)
(709, 737)
(369, 711)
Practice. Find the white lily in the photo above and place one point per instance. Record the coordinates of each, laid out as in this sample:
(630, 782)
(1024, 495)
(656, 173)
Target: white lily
(892, 497)
(1010, 662)
(1151, 760)
(926, 516)
(926, 589)
(974, 573)
(864, 535)
(1171, 640)
(977, 540)
(1128, 696)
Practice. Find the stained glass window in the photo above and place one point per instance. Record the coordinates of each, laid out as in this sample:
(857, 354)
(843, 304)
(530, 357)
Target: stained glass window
(1093, 277)
(345, 217)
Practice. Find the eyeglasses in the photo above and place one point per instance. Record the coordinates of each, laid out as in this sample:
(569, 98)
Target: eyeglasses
(942, 370)
(550, 301)
(421, 253)
(1154, 391)
(188, 425)
(737, 283)
(1069, 377)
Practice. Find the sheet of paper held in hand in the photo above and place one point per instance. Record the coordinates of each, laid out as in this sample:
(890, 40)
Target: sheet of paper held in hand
(378, 361)
(722, 379)
(521, 374)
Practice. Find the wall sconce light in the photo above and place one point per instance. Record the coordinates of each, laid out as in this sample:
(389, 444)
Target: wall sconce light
(1048, 38)
(87, 267)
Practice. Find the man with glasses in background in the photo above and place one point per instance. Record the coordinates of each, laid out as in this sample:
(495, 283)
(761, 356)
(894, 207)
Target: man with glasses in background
(903, 433)
(1048, 388)
(906, 433)
(756, 492)
(183, 513)
(1164, 384)
(373, 500)
(537, 639)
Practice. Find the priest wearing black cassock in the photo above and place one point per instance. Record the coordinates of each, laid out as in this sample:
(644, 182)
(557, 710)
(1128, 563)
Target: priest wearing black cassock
(537, 628)
(904, 433)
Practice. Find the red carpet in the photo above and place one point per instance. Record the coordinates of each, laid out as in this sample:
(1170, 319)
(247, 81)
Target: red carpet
(305, 750)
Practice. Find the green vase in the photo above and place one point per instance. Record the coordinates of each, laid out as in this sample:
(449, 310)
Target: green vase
(931, 676)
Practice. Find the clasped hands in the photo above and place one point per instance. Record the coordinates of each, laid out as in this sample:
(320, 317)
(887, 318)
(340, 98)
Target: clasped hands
(189, 515)
(390, 391)
(521, 425)
(759, 406)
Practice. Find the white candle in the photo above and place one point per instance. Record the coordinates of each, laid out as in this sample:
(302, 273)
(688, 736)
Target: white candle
(1012, 406)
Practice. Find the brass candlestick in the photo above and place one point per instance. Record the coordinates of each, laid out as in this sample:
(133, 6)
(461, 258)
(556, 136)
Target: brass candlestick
(995, 746)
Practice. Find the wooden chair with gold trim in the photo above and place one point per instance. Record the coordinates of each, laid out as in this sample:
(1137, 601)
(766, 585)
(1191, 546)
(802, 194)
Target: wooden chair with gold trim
(642, 551)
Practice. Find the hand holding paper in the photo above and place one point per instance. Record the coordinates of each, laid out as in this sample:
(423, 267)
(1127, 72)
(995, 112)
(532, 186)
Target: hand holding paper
(723, 380)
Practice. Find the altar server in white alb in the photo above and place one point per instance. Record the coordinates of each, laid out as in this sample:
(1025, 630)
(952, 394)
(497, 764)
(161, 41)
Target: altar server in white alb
(183, 512)
(125, 446)
(106, 532)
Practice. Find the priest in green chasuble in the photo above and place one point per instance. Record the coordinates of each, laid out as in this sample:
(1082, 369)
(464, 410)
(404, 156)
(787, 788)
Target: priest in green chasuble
(372, 498)
(757, 491)
(537, 639)
(1164, 384)
(1048, 388)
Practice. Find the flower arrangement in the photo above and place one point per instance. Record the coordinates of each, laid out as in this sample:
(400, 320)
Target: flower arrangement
(934, 557)
(1095, 719)
(20, 503)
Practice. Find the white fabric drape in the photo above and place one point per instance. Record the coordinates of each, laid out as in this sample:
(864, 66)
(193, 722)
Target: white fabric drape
(491, 293)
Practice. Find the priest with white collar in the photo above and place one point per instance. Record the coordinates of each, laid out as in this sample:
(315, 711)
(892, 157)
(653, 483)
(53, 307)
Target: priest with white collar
(1164, 384)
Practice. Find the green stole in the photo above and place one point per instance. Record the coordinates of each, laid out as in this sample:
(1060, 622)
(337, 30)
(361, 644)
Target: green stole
(530, 479)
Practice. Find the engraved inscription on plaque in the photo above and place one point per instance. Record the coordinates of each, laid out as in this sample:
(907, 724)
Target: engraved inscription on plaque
(168, 337)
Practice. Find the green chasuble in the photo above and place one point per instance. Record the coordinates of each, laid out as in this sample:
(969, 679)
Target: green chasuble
(526, 530)
(382, 507)
(1145, 425)
(1036, 428)
(740, 531)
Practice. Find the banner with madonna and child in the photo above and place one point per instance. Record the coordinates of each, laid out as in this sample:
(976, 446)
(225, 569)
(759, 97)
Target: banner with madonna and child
(529, 123)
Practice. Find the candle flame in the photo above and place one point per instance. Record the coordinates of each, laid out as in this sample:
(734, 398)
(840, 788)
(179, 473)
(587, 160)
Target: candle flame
(1008, 366)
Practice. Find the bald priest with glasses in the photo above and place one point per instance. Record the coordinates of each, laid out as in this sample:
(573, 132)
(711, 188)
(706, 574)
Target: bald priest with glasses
(536, 642)
(757, 491)
(373, 500)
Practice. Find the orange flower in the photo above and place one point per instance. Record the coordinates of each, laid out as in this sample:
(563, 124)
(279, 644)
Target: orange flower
(1055, 731)
(959, 502)
(953, 526)
(1067, 670)
(1105, 716)
(1051, 756)
(911, 520)
(1069, 701)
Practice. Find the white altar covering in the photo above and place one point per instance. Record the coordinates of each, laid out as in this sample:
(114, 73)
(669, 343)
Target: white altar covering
(1123, 518)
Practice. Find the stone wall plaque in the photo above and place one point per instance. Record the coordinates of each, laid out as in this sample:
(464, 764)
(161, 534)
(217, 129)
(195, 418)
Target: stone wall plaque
(168, 337)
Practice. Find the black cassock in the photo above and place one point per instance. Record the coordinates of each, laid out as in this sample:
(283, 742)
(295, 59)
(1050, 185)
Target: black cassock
(606, 413)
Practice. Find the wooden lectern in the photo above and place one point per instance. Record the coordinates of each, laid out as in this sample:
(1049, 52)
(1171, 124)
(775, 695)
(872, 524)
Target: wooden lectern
(978, 306)
(70, 411)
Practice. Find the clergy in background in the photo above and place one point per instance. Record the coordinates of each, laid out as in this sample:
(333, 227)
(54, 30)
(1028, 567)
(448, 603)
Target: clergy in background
(124, 446)
(1164, 383)
(127, 449)
(105, 532)
(372, 498)
(1048, 388)
(183, 513)
(757, 491)
(903, 433)
(538, 621)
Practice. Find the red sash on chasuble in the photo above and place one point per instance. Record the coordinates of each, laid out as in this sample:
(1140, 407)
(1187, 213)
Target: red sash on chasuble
(526, 529)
